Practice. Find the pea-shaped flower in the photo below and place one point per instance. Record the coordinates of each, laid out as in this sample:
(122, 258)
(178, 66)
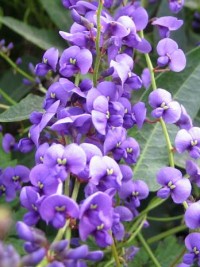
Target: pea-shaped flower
(188, 140)
(170, 55)
(74, 60)
(192, 215)
(173, 184)
(192, 243)
(164, 106)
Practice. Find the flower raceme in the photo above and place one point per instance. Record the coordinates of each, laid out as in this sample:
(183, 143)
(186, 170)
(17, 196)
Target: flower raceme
(82, 137)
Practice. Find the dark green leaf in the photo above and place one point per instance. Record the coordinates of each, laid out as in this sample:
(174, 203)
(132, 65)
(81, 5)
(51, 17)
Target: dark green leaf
(58, 14)
(169, 251)
(41, 37)
(185, 89)
(11, 82)
(23, 109)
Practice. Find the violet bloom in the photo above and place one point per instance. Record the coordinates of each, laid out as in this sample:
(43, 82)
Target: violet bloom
(167, 24)
(164, 106)
(62, 160)
(170, 55)
(192, 243)
(133, 191)
(146, 78)
(173, 184)
(185, 121)
(30, 199)
(7, 189)
(106, 113)
(194, 171)
(49, 62)
(74, 60)
(192, 215)
(9, 256)
(114, 139)
(132, 150)
(105, 173)
(120, 214)
(96, 214)
(43, 179)
(188, 140)
(16, 176)
(8, 143)
(57, 209)
(176, 5)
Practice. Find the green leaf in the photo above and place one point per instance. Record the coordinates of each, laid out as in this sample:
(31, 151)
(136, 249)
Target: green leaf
(11, 82)
(169, 251)
(192, 4)
(40, 37)
(58, 14)
(184, 87)
(23, 109)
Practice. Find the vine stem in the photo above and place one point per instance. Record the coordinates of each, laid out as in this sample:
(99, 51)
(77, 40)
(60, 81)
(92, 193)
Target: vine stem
(167, 219)
(16, 68)
(115, 253)
(166, 233)
(164, 128)
(148, 250)
(7, 97)
(97, 43)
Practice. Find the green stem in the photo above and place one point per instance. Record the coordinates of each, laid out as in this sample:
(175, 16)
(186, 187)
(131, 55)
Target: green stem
(6, 96)
(169, 146)
(150, 66)
(75, 190)
(61, 232)
(137, 231)
(164, 128)
(4, 106)
(97, 43)
(148, 250)
(77, 79)
(168, 219)
(166, 233)
(16, 68)
(115, 254)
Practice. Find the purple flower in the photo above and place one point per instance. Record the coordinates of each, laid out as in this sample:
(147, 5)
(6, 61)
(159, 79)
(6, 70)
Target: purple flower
(192, 243)
(188, 140)
(146, 78)
(16, 176)
(7, 189)
(9, 256)
(192, 215)
(44, 180)
(194, 171)
(49, 62)
(173, 184)
(185, 121)
(134, 191)
(106, 113)
(120, 214)
(56, 209)
(74, 60)
(164, 106)
(132, 150)
(8, 143)
(96, 214)
(62, 160)
(176, 5)
(171, 55)
(30, 199)
(167, 24)
(105, 173)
